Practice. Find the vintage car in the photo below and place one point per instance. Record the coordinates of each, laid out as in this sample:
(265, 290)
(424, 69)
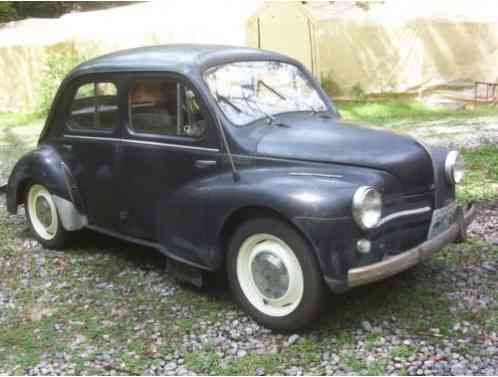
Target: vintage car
(234, 160)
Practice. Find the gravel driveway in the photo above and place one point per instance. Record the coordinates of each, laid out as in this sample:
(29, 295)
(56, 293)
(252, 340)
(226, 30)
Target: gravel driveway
(107, 307)
(472, 133)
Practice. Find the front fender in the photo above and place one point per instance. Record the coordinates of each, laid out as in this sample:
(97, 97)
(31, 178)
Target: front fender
(315, 199)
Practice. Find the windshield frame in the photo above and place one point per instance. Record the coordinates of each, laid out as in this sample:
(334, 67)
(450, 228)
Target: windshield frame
(329, 106)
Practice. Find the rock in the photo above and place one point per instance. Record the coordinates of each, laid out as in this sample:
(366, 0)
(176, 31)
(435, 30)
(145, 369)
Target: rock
(370, 359)
(491, 351)
(170, 366)
(292, 339)
(366, 326)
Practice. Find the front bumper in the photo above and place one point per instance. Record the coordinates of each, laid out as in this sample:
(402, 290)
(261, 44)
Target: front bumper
(395, 264)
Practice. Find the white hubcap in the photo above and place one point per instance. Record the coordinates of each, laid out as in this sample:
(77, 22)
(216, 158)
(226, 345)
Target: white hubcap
(42, 212)
(270, 275)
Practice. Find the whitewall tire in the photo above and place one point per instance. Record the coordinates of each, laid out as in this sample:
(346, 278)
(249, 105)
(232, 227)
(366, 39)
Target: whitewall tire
(43, 218)
(274, 275)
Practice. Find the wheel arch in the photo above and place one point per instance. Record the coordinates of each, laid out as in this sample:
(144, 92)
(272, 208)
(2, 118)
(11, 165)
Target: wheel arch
(22, 189)
(246, 213)
(44, 166)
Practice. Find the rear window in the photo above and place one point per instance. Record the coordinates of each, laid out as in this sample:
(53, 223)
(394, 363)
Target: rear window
(94, 107)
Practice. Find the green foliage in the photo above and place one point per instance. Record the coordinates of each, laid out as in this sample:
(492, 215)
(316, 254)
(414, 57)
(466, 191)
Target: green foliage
(17, 119)
(330, 86)
(7, 11)
(358, 93)
(16, 10)
(60, 62)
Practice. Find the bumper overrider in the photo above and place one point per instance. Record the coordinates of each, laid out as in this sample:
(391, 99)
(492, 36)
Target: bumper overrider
(395, 264)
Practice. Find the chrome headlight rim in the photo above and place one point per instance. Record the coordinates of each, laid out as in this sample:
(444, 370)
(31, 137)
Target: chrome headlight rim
(452, 159)
(359, 197)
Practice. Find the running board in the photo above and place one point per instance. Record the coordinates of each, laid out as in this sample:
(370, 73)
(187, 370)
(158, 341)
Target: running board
(179, 268)
(184, 273)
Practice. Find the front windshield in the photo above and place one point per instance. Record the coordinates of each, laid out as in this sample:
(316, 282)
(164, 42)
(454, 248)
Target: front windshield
(246, 91)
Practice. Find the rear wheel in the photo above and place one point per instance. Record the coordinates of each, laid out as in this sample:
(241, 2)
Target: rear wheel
(43, 218)
(274, 274)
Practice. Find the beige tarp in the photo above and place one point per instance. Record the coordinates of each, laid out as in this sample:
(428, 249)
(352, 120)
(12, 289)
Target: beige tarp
(395, 46)
(26, 45)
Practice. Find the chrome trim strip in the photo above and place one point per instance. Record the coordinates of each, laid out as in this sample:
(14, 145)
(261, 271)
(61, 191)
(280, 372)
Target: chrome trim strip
(130, 141)
(399, 214)
(317, 175)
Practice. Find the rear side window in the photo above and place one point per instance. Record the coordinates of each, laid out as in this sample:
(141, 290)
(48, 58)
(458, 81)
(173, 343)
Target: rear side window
(165, 107)
(94, 107)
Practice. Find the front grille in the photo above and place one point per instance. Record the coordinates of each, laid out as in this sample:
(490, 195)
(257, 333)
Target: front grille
(408, 202)
(403, 233)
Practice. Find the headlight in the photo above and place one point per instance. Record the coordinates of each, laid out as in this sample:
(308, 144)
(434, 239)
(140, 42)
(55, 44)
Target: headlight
(454, 167)
(367, 207)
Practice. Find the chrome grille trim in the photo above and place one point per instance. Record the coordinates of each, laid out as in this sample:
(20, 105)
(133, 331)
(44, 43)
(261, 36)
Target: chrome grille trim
(409, 212)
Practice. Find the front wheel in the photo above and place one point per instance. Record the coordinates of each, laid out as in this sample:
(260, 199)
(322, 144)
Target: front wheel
(274, 275)
(43, 217)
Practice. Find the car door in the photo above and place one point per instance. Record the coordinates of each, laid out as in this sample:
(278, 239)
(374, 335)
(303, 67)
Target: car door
(89, 147)
(170, 155)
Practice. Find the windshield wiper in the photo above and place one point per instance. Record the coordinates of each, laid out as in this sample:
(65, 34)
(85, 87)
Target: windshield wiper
(270, 118)
(282, 97)
(274, 91)
(228, 102)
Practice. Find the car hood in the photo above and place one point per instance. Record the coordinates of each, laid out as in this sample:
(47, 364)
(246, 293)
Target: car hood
(320, 138)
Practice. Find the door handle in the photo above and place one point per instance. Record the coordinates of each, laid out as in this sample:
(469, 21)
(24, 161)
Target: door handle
(204, 163)
(67, 147)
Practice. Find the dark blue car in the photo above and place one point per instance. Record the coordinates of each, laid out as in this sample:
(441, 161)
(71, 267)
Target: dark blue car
(234, 160)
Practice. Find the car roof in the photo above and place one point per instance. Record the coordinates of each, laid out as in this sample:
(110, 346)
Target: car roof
(181, 58)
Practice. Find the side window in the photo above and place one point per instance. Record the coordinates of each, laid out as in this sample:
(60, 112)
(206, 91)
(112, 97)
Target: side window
(165, 107)
(94, 107)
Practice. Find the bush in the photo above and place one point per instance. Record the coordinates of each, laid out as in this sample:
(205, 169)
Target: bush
(330, 86)
(358, 93)
(61, 60)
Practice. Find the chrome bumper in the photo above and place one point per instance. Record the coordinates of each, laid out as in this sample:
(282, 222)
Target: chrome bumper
(393, 265)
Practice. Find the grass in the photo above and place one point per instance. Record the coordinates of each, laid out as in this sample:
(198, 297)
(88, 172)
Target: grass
(398, 112)
(481, 175)
(18, 119)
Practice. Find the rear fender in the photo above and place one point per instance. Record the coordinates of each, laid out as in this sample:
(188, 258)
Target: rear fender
(46, 167)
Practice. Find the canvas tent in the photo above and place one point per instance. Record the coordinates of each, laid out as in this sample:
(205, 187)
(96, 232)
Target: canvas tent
(391, 47)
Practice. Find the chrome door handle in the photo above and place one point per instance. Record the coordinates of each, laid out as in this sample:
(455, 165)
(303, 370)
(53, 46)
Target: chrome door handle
(67, 147)
(204, 163)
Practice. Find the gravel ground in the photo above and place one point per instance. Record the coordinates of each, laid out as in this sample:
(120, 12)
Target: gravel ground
(469, 134)
(107, 307)
(485, 226)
